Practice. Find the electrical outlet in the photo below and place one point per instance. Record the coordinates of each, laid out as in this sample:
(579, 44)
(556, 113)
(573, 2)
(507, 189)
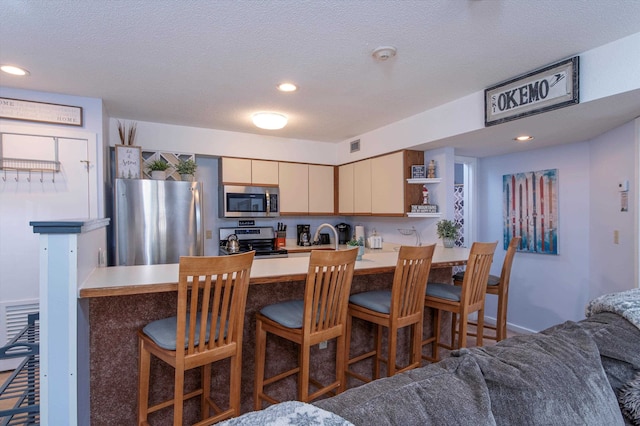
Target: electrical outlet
(208, 234)
(322, 345)
(616, 236)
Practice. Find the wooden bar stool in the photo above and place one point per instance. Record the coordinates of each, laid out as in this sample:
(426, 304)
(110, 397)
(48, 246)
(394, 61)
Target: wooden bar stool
(498, 286)
(402, 306)
(461, 300)
(212, 293)
(320, 316)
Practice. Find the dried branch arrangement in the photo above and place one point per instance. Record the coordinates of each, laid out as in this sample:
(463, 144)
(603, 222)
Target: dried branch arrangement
(127, 137)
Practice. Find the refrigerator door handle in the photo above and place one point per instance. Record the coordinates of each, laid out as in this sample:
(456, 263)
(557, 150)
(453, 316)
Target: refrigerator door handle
(199, 220)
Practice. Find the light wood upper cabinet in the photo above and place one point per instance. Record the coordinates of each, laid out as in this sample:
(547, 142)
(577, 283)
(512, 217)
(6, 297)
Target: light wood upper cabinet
(362, 187)
(294, 188)
(387, 184)
(245, 171)
(345, 189)
(236, 170)
(378, 186)
(321, 189)
(264, 172)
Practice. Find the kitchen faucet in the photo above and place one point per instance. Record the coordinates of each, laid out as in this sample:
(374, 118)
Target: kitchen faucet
(326, 225)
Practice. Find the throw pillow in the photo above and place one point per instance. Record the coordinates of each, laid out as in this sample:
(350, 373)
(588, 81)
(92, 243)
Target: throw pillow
(629, 399)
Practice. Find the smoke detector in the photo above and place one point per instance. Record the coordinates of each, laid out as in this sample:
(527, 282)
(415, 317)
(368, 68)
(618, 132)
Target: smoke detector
(384, 53)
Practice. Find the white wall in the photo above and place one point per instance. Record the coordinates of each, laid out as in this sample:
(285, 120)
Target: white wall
(547, 289)
(613, 157)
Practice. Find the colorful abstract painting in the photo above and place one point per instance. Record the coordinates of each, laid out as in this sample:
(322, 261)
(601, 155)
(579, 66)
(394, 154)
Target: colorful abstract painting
(530, 210)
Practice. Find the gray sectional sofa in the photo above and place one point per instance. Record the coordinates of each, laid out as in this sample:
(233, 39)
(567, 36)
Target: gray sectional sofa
(576, 373)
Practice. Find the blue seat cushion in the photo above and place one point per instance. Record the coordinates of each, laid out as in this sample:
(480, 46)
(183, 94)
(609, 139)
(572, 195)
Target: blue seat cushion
(493, 280)
(288, 314)
(444, 291)
(379, 301)
(163, 332)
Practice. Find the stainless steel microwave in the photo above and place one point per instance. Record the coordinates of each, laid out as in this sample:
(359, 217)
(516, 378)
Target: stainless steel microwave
(249, 201)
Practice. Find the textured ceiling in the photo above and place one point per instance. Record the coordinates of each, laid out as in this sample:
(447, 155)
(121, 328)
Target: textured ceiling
(212, 63)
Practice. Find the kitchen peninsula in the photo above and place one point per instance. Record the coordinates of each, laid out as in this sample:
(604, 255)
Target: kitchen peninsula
(123, 299)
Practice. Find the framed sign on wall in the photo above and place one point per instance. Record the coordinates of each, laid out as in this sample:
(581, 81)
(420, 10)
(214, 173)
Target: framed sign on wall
(42, 112)
(552, 87)
(128, 162)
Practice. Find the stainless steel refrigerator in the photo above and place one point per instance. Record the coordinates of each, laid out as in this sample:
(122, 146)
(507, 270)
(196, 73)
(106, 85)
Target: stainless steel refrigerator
(157, 221)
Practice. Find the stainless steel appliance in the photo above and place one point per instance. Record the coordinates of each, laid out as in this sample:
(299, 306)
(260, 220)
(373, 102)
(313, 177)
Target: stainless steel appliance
(262, 239)
(157, 221)
(249, 201)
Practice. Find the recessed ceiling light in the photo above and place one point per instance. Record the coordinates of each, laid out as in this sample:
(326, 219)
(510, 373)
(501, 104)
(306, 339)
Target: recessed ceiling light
(13, 70)
(523, 138)
(269, 120)
(287, 87)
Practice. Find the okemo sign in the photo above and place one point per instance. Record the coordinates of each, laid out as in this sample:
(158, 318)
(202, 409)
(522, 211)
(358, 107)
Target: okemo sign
(552, 87)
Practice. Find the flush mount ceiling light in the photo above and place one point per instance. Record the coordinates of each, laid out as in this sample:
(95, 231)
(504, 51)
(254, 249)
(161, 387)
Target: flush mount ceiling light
(287, 87)
(13, 70)
(384, 53)
(523, 138)
(269, 120)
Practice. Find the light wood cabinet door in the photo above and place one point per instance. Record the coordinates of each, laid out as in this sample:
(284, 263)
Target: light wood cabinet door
(294, 188)
(345, 189)
(362, 187)
(387, 184)
(264, 172)
(236, 170)
(321, 189)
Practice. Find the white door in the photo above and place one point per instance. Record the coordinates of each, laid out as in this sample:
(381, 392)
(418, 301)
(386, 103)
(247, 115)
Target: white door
(26, 197)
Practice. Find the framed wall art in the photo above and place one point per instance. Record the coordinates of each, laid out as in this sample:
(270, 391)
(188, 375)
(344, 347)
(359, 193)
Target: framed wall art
(128, 162)
(41, 112)
(552, 87)
(530, 210)
(418, 172)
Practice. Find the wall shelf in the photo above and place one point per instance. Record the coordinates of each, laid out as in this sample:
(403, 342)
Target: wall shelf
(424, 214)
(21, 164)
(424, 180)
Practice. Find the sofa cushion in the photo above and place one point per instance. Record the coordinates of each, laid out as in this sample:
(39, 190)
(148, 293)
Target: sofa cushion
(552, 377)
(447, 393)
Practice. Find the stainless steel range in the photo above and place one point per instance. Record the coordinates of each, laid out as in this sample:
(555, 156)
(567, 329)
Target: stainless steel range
(262, 239)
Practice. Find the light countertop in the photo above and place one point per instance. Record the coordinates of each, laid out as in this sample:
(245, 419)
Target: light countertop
(128, 280)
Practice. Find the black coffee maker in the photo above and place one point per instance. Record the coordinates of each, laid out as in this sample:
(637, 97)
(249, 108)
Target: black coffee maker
(344, 232)
(304, 235)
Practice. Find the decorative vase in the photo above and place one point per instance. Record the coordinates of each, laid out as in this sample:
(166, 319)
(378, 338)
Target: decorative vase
(186, 177)
(158, 175)
(360, 252)
(448, 242)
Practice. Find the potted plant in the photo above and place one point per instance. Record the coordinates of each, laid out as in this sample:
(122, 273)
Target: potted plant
(448, 231)
(158, 169)
(357, 243)
(187, 169)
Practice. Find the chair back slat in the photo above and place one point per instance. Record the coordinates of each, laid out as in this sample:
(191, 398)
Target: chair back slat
(327, 289)
(410, 280)
(505, 274)
(477, 274)
(212, 292)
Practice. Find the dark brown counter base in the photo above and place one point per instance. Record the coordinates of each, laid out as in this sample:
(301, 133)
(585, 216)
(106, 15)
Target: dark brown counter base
(114, 322)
